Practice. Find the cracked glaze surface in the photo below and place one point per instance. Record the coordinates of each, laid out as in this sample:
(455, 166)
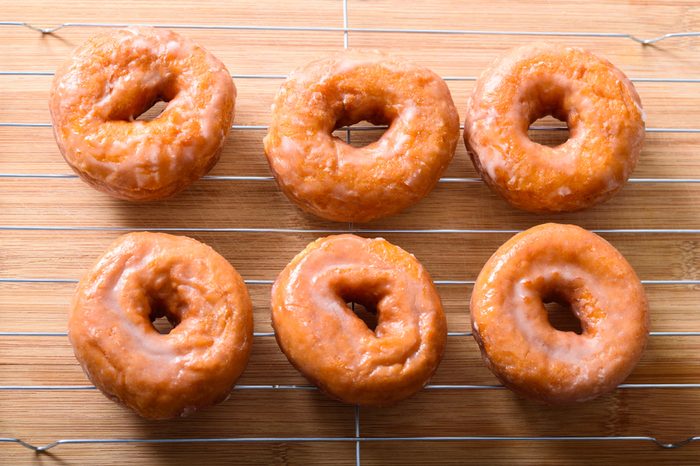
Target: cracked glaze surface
(331, 179)
(565, 263)
(332, 347)
(599, 104)
(148, 275)
(116, 76)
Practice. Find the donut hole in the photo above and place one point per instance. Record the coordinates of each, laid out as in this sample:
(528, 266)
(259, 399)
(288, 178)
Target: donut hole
(556, 134)
(367, 314)
(153, 112)
(561, 316)
(546, 114)
(367, 123)
(363, 303)
(162, 325)
(361, 135)
(129, 103)
(162, 318)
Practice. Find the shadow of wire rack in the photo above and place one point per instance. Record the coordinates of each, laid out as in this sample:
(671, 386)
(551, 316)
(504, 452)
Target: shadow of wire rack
(357, 439)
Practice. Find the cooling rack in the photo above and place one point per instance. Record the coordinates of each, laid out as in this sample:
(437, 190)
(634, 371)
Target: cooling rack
(429, 235)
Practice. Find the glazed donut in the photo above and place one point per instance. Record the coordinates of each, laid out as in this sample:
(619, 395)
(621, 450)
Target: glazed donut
(599, 104)
(568, 265)
(144, 276)
(333, 180)
(115, 77)
(329, 344)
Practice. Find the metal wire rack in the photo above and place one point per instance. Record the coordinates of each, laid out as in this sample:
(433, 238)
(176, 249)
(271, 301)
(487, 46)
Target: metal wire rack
(357, 439)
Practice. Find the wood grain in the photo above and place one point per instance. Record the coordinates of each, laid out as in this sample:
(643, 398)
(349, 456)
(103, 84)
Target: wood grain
(42, 416)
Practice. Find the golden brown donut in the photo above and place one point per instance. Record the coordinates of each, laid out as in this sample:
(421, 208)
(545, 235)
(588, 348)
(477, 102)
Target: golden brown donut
(144, 276)
(112, 79)
(598, 103)
(329, 344)
(324, 175)
(569, 265)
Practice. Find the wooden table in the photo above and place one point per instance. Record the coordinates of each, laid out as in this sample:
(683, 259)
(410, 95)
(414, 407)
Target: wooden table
(60, 226)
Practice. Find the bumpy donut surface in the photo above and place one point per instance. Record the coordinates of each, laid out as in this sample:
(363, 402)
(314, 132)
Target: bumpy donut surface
(599, 104)
(330, 345)
(112, 79)
(327, 177)
(144, 276)
(572, 266)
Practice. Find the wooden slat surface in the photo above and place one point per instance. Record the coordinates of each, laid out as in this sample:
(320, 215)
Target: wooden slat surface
(61, 256)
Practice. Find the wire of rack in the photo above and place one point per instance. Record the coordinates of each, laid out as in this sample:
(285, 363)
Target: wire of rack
(357, 439)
